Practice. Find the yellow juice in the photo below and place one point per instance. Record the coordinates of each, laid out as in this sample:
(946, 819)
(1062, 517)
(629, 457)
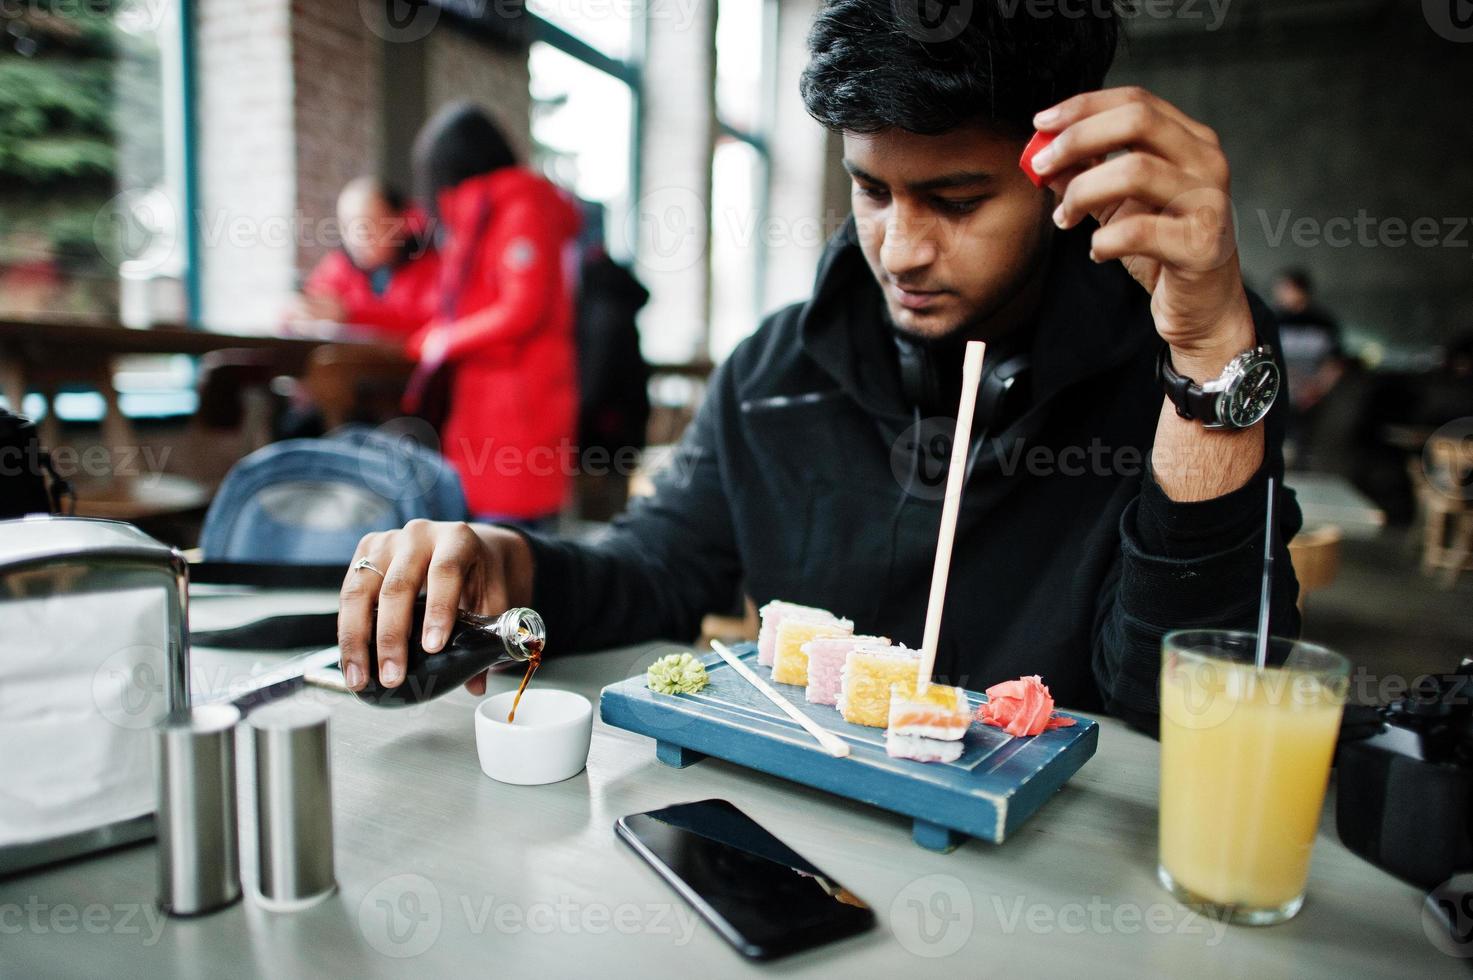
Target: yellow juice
(1245, 757)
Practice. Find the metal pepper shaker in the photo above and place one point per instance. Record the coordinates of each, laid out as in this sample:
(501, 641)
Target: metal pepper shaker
(293, 804)
(199, 865)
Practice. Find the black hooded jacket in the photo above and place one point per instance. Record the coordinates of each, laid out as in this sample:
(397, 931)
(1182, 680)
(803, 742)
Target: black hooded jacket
(797, 481)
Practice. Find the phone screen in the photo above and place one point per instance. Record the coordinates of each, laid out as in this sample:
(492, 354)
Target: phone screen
(762, 897)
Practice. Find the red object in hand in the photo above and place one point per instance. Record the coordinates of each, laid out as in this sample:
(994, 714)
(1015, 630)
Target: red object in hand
(1039, 141)
(1021, 707)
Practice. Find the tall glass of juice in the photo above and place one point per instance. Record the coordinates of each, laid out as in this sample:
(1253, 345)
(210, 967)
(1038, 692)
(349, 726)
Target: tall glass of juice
(1245, 758)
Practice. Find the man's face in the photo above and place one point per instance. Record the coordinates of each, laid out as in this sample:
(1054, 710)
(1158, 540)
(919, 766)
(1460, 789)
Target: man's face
(950, 226)
(373, 232)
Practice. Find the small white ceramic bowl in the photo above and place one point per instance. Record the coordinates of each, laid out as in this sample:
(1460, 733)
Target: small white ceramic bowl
(547, 744)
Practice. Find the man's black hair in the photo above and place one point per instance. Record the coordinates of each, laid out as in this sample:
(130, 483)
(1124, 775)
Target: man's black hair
(931, 66)
(460, 141)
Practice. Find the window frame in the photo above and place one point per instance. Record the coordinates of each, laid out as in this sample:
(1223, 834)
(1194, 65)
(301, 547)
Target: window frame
(630, 72)
(758, 140)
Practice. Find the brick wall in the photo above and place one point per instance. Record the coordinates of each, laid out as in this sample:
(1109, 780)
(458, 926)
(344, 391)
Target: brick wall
(336, 67)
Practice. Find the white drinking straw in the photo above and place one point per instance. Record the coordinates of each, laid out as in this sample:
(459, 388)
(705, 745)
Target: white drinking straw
(955, 477)
(1268, 580)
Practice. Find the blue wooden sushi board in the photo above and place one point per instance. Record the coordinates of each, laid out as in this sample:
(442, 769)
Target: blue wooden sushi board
(998, 782)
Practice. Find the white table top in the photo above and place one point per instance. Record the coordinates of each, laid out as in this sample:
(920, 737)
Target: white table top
(444, 872)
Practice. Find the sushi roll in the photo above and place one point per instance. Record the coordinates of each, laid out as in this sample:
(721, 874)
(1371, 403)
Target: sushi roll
(868, 676)
(772, 616)
(941, 713)
(789, 662)
(826, 657)
(921, 749)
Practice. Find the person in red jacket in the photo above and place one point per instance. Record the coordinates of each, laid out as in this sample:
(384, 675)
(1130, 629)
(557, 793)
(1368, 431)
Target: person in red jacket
(384, 276)
(505, 321)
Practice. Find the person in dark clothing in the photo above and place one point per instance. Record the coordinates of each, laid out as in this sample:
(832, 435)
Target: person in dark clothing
(1447, 394)
(1094, 516)
(1313, 354)
(1310, 334)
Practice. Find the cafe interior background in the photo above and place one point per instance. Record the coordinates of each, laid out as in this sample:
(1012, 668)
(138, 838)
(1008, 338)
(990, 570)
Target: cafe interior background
(169, 168)
(168, 180)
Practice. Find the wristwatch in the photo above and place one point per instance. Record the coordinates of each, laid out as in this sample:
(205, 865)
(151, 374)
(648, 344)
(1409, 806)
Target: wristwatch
(1239, 398)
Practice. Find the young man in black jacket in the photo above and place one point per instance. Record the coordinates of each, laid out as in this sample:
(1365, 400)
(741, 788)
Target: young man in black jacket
(1094, 517)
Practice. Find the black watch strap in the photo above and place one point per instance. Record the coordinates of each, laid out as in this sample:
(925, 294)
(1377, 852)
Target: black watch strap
(1191, 401)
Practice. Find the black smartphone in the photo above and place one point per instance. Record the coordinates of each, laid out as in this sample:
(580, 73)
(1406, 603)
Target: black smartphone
(753, 889)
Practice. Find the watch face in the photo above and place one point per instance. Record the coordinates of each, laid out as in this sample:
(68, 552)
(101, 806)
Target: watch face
(1251, 395)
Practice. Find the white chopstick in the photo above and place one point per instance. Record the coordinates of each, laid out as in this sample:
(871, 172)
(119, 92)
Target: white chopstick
(960, 444)
(832, 744)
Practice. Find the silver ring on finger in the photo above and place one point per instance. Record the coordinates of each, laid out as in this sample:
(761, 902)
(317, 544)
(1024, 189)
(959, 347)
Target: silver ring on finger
(363, 563)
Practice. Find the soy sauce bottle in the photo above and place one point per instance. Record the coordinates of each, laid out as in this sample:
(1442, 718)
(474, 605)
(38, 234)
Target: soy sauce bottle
(476, 642)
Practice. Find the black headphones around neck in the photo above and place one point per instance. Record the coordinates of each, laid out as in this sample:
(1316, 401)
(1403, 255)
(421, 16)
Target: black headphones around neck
(920, 383)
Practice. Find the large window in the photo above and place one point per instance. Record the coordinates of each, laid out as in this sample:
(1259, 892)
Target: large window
(609, 28)
(584, 89)
(91, 142)
(582, 124)
(740, 170)
(738, 236)
(586, 72)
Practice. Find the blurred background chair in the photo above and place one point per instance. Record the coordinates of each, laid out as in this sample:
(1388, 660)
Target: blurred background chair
(360, 383)
(237, 410)
(1444, 483)
(1316, 557)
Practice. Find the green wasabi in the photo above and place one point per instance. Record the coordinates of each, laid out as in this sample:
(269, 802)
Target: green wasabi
(679, 673)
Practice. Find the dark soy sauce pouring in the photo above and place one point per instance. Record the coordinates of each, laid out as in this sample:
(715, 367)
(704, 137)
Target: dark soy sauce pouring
(533, 662)
(475, 643)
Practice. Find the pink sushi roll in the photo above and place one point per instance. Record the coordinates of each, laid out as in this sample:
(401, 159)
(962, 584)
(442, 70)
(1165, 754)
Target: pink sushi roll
(772, 616)
(826, 664)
